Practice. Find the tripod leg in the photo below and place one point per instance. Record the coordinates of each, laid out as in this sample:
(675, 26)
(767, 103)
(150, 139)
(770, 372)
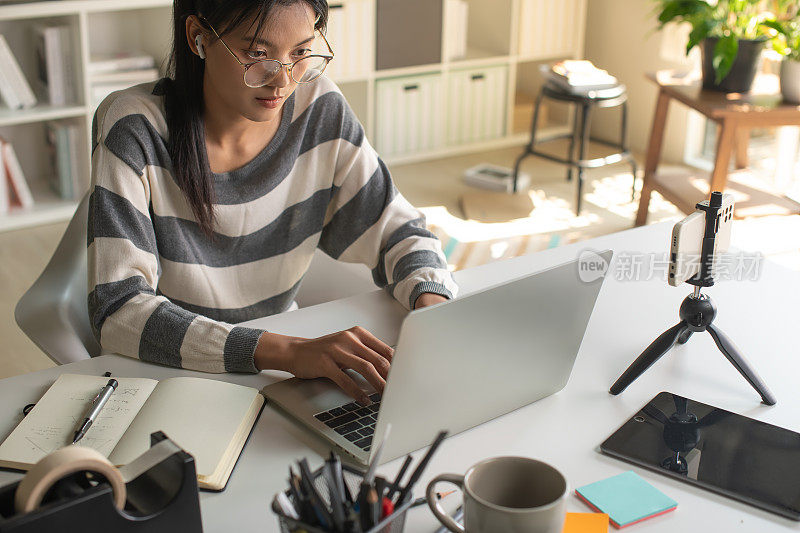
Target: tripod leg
(650, 355)
(684, 336)
(732, 353)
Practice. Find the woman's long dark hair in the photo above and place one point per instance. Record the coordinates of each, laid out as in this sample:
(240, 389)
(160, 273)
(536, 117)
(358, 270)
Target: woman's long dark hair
(184, 92)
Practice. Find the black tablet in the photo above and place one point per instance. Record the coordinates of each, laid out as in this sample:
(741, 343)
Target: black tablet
(730, 454)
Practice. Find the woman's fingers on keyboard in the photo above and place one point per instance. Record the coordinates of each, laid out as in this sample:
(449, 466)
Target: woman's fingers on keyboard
(346, 359)
(374, 343)
(380, 363)
(347, 384)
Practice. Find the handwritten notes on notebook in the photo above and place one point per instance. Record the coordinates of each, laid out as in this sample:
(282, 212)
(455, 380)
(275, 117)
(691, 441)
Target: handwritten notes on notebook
(52, 423)
(208, 418)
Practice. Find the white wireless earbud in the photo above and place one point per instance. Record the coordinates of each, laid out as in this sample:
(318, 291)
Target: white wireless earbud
(198, 41)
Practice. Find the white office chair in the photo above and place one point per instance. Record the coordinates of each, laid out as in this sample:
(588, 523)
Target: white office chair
(53, 312)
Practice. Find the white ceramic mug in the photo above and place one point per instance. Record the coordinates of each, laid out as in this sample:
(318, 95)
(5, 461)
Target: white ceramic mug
(510, 494)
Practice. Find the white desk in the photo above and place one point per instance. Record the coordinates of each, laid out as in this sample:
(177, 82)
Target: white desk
(566, 428)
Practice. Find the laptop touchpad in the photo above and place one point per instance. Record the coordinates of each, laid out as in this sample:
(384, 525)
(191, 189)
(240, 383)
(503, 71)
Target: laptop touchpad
(324, 394)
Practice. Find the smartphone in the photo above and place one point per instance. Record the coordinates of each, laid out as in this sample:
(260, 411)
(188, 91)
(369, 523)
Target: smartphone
(687, 241)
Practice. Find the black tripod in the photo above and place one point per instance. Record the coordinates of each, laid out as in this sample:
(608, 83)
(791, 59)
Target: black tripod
(697, 312)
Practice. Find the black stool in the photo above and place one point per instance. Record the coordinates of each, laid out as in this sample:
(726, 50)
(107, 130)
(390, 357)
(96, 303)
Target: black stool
(613, 97)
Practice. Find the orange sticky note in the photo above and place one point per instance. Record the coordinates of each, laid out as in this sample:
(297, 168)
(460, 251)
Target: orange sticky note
(586, 523)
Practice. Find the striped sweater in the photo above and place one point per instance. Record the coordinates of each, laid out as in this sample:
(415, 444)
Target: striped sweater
(161, 291)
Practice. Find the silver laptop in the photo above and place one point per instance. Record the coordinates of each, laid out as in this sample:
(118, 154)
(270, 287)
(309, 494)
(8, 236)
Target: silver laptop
(458, 364)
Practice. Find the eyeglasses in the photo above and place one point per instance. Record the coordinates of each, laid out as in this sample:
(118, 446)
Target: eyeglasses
(262, 72)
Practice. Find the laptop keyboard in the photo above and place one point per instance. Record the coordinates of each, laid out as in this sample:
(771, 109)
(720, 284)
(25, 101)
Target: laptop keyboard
(353, 421)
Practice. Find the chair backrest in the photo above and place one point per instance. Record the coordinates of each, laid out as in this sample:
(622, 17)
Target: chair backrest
(328, 279)
(53, 312)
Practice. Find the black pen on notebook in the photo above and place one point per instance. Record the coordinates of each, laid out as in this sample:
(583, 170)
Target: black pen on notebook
(94, 411)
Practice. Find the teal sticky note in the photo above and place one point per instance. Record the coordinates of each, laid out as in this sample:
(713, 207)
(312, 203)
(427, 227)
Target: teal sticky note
(626, 499)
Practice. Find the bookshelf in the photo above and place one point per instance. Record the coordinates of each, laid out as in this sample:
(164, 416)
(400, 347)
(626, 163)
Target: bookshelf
(96, 26)
(378, 44)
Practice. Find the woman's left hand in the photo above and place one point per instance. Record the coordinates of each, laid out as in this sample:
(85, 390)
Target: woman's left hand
(428, 298)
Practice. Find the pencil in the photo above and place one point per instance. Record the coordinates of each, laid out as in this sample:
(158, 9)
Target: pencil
(396, 483)
(421, 467)
(422, 500)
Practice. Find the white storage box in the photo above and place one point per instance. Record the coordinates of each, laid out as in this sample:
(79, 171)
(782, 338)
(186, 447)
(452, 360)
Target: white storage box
(476, 104)
(550, 29)
(351, 34)
(409, 114)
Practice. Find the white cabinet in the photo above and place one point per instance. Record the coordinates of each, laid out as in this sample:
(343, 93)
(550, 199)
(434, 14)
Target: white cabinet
(431, 112)
(476, 104)
(409, 115)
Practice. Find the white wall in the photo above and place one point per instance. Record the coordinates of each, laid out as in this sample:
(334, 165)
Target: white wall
(621, 38)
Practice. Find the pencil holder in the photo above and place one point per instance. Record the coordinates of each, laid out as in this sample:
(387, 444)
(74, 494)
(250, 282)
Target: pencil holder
(393, 523)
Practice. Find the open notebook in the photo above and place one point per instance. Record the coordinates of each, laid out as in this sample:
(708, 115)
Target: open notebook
(209, 419)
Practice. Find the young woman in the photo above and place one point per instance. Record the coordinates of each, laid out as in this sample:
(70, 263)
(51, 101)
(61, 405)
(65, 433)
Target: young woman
(212, 188)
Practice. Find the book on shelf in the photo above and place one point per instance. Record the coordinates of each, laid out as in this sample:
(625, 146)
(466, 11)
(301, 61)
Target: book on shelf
(73, 149)
(19, 194)
(137, 408)
(57, 151)
(105, 83)
(5, 199)
(56, 64)
(14, 87)
(62, 143)
(48, 67)
(99, 64)
(7, 92)
(115, 72)
(129, 77)
(69, 55)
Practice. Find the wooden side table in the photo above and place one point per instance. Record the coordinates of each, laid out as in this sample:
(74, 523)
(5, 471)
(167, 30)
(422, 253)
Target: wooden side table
(735, 113)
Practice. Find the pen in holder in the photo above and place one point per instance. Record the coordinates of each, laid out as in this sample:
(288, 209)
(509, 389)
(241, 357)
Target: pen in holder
(322, 501)
(392, 523)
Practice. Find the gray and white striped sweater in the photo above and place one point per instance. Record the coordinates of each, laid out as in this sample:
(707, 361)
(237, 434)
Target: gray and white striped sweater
(160, 290)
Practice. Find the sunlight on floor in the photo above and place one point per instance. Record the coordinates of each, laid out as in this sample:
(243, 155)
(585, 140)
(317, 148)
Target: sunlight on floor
(436, 188)
(552, 222)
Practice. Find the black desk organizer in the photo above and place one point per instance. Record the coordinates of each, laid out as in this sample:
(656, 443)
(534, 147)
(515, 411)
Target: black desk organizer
(162, 499)
(394, 523)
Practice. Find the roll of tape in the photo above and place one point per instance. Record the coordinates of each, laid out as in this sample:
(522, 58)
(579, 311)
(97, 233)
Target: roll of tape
(60, 464)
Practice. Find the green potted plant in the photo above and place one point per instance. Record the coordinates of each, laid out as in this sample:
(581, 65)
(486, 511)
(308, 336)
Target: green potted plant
(786, 42)
(730, 34)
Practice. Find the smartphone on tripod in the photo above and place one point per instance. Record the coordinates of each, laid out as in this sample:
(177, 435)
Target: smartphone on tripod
(711, 224)
(687, 241)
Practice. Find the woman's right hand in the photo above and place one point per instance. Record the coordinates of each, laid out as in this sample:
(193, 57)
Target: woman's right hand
(328, 357)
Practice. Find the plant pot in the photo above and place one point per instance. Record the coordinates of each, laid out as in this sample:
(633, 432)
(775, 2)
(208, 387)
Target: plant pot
(742, 73)
(790, 81)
